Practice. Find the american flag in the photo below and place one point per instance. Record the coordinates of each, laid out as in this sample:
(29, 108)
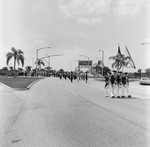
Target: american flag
(119, 56)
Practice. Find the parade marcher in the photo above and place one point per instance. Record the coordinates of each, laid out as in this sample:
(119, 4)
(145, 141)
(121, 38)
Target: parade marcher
(71, 76)
(108, 84)
(113, 83)
(86, 76)
(78, 76)
(125, 82)
(119, 83)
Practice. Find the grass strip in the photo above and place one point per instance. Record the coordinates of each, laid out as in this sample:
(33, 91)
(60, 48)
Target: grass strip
(18, 82)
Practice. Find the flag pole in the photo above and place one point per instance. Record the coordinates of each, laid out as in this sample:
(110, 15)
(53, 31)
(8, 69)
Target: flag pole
(118, 61)
(124, 57)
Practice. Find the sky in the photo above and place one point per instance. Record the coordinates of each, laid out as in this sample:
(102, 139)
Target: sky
(74, 28)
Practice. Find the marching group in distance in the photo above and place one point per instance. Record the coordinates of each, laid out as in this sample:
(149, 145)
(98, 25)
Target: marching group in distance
(117, 82)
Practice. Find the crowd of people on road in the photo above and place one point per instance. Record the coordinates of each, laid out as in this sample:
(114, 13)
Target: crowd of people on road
(116, 84)
(73, 76)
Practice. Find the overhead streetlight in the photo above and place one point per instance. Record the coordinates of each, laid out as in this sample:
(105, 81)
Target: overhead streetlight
(37, 55)
(145, 43)
(52, 56)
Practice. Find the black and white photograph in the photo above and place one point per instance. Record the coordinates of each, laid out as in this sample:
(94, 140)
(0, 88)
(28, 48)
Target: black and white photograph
(74, 73)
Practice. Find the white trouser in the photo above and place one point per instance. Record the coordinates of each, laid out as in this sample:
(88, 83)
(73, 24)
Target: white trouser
(125, 87)
(114, 88)
(119, 87)
(108, 90)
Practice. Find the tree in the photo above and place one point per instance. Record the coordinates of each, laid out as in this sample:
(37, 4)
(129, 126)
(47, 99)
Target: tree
(147, 71)
(106, 70)
(20, 69)
(119, 61)
(11, 68)
(39, 63)
(140, 71)
(98, 67)
(48, 68)
(17, 55)
(28, 69)
(4, 70)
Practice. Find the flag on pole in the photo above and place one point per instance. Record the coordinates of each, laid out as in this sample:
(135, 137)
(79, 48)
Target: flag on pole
(119, 55)
(130, 62)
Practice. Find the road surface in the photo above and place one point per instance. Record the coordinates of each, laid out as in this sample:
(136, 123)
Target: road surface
(58, 113)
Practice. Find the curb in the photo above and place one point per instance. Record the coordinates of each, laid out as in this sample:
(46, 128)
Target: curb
(29, 86)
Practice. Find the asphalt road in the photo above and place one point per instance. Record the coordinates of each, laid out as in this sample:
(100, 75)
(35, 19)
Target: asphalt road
(58, 113)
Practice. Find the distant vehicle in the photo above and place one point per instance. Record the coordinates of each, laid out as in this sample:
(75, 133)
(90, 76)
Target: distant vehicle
(144, 81)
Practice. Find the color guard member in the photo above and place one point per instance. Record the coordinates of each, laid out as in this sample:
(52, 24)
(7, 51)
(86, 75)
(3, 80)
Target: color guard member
(119, 83)
(125, 82)
(113, 83)
(108, 84)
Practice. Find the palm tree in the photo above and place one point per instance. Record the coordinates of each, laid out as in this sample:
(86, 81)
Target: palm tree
(11, 68)
(28, 69)
(120, 61)
(17, 55)
(39, 63)
(4, 70)
(48, 68)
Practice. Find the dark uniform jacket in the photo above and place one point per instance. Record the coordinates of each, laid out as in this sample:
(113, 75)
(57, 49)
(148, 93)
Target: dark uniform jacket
(118, 80)
(125, 80)
(112, 79)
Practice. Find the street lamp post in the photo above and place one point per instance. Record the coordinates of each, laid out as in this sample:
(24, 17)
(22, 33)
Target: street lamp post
(52, 56)
(37, 55)
(145, 43)
(102, 61)
(73, 62)
(49, 58)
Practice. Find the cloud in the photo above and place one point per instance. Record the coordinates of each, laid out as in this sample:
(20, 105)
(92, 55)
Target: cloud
(75, 51)
(146, 40)
(40, 41)
(130, 7)
(89, 20)
(83, 10)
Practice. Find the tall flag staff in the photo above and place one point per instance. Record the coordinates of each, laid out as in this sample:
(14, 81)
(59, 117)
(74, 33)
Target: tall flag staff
(130, 61)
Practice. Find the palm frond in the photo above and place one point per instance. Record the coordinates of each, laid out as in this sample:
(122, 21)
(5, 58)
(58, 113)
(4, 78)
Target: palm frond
(112, 58)
(21, 58)
(14, 51)
(42, 63)
(113, 65)
(8, 57)
(20, 51)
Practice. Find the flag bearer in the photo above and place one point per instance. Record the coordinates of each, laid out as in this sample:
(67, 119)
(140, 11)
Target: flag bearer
(108, 84)
(113, 83)
(119, 83)
(71, 76)
(86, 76)
(125, 82)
